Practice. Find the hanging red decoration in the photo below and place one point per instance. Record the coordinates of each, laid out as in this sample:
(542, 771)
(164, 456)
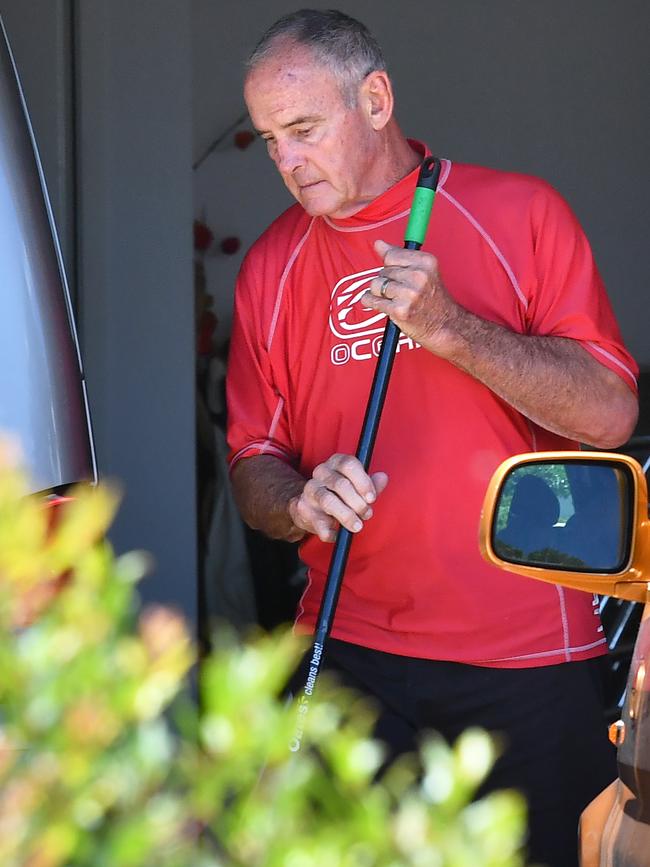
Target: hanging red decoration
(203, 236)
(244, 138)
(230, 245)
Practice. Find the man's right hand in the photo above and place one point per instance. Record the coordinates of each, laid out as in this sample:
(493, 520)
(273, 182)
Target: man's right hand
(339, 493)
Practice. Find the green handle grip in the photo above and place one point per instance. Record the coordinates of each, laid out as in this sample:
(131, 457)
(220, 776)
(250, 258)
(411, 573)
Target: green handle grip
(425, 193)
(418, 223)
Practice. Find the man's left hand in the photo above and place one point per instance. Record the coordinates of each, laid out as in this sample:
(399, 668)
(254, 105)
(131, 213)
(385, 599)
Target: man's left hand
(409, 289)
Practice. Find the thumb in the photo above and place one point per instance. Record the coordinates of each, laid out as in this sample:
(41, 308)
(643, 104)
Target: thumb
(381, 248)
(379, 480)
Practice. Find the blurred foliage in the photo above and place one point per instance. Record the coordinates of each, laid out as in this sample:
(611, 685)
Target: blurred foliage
(107, 760)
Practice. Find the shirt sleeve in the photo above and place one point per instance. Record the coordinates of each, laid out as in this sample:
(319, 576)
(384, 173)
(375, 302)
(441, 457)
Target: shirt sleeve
(257, 418)
(570, 299)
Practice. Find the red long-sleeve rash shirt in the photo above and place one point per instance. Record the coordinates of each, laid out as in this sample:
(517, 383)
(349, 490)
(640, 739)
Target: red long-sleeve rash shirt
(302, 359)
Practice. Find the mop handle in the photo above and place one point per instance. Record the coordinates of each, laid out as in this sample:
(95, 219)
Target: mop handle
(416, 231)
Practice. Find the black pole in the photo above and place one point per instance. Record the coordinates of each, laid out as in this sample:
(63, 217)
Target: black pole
(414, 238)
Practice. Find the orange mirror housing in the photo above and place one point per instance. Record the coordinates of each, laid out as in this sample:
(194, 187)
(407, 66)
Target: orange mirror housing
(579, 519)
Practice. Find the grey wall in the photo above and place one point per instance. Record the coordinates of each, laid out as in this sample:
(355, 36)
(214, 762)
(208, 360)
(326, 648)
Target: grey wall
(557, 89)
(136, 298)
(117, 162)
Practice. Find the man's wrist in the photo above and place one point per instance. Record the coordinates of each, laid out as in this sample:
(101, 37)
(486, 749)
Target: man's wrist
(449, 339)
(296, 534)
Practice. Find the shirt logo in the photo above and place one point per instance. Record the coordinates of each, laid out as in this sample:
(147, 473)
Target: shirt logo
(348, 319)
(360, 327)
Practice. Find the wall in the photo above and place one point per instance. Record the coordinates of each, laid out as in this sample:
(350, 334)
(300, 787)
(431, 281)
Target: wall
(555, 89)
(136, 300)
(108, 85)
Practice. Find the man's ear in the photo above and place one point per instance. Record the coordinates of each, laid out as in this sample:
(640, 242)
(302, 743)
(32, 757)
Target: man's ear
(377, 98)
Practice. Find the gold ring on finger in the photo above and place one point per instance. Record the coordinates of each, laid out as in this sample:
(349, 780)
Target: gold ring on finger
(382, 288)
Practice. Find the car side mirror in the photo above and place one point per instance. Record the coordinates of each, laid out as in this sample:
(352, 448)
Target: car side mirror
(579, 519)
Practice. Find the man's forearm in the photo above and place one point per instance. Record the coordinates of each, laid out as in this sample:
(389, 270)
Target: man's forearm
(551, 380)
(263, 487)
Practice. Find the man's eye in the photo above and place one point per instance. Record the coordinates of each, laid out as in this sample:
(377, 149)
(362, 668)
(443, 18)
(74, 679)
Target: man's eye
(303, 132)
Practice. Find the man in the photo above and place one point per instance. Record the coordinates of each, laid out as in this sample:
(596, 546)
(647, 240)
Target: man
(509, 345)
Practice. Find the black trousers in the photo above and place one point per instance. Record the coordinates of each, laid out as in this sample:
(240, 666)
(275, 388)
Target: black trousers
(549, 720)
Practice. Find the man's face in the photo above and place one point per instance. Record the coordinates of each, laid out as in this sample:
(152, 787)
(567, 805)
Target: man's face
(322, 148)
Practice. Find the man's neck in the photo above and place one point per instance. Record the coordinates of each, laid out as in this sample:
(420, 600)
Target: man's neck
(395, 159)
(403, 158)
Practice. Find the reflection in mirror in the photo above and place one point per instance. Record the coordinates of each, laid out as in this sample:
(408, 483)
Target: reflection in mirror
(571, 516)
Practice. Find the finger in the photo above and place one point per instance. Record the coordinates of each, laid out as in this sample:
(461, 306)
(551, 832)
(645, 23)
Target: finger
(380, 480)
(344, 489)
(326, 529)
(380, 288)
(376, 302)
(352, 468)
(399, 257)
(313, 520)
(385, 283)
(320, 502)
(331, 505)
(382, 248)
(319, 506)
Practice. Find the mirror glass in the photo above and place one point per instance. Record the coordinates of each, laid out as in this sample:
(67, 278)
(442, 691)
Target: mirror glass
(574, 516)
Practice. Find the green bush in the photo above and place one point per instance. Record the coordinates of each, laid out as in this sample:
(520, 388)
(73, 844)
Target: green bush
(106, 760)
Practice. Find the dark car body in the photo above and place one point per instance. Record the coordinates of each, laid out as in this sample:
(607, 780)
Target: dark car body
(43, 404)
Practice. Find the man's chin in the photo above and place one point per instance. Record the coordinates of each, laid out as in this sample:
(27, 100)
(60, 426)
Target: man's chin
(318, 206)
(317, 210)
(323, 205)
(331, 209)
(319, 201)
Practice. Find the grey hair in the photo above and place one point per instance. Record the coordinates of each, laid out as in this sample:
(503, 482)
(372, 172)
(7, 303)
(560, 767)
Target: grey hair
(341, 43)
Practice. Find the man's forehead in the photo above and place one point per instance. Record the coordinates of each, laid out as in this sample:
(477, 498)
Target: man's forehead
(289, 97)
(294, 70)
(286, 53)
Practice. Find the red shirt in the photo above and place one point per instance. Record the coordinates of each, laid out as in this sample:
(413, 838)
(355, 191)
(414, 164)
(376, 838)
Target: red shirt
(301, 365)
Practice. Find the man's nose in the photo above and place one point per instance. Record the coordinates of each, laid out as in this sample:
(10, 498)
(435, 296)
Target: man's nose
(288, 157)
